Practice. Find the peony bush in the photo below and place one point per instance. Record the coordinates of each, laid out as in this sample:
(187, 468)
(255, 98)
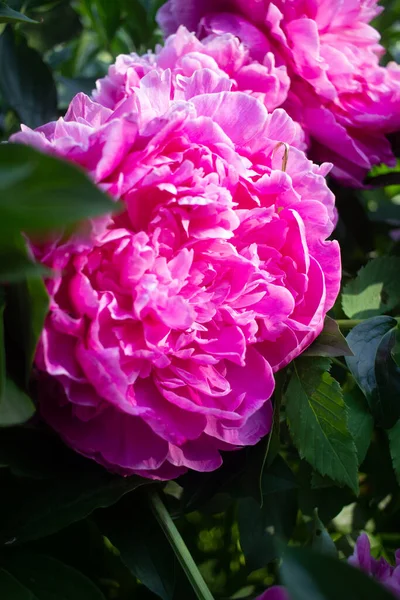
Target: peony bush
(199, 313)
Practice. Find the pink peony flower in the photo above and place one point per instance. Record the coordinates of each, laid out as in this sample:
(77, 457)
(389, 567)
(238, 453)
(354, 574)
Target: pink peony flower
(168, 320)
(380, 569)
(345, 101)
(227, 59)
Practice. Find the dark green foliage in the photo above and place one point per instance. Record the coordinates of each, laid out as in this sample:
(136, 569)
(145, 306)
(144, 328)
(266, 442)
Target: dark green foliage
(314, 576)
(374, 368)
(282, 511)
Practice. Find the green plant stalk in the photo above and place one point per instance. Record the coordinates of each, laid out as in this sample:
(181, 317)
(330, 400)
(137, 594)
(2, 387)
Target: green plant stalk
(339, 363)
(346, 324)
(182, 553)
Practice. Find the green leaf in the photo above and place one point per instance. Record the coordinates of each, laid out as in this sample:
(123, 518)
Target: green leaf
(137, 21)
(15, 406)
(329, 500)
(11, 589)
(317, 418)
(318, 481)
(31, 453)
(259, 526)
(142, 546)
(262, 455)
(26, 82)
(312, 576)
(374, 369)
(26, 310)
(49, 579)
(110, 16)
(2, 347)
(375, 290)
(394, 444)
(40, 192)
(330, 342)
(15, 264)
(321, 540)
(48, 506)
(395, 352)
(8, 15)
(239, 476)
(361, 422)
(16, 267)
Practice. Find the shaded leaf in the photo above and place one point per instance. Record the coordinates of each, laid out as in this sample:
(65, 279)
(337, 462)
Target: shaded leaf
(361, 422)
(32, 453)
(15, 407)
(317, 418)
(312, 576)
(2, 347)
(137, 21)
(374, 369)
(110, 16)
(15, 267)
(259, 526)
(26, 82)
(329, 500)
(15, 264)
(11, 589)
(26, 310)
(394, 444)
(39, 192)
(142, 545)
(396, 347)
(68, 87)
(8, 15)
(262, 456)
(375, 290)
(330, 342)
(321, 540)
(49, 579)
(44, 507)
(238, 476)
(318, 481)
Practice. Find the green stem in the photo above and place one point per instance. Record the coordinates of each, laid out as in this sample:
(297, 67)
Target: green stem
(384, 180)
(346, 324)
(182, 553)
(339, 363)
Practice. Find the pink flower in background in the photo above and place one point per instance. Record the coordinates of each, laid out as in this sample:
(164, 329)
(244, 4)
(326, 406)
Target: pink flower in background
(276, 592)
(345, 101)
(380, 569)
(168, 319)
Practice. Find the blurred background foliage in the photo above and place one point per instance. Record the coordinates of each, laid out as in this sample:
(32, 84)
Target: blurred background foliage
(64, 515)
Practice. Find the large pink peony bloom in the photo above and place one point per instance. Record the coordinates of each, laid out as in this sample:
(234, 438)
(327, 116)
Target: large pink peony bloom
(345, 101)
(168, 319)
